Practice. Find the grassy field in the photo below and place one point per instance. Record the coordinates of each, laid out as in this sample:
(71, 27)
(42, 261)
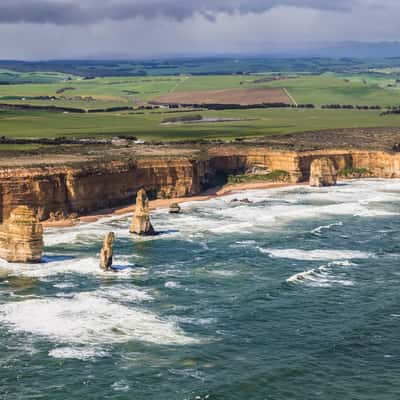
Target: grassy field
(109, 92)
(336, 89)
(14, 77)
(355, 89)
(149, 125)
(329, 88)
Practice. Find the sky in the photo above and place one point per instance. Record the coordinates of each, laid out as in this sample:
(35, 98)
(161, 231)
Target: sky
(50, 29)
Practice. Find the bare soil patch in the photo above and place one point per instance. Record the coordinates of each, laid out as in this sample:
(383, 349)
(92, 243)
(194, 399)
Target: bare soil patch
(242, 97)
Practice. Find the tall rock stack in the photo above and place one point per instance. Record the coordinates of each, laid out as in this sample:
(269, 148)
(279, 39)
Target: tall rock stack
(21, 237)
(141, 224)
(323, 172)
(106, 255)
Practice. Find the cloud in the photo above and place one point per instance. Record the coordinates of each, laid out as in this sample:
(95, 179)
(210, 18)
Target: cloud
(42, 29)
(78, 12)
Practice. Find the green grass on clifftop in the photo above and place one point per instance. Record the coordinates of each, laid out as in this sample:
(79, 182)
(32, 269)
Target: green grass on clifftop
(148, 126)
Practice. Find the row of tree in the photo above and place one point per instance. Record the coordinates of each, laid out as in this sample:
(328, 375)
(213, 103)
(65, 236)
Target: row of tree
(350, 107)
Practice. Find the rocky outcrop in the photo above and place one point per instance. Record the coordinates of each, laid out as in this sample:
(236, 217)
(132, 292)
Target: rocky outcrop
(21, 237)
(141, 224)
(106, 254)
(323, 172)
(174, 208)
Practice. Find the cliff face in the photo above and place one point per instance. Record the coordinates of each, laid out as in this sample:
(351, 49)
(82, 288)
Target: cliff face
(55, 192)
(59, 192)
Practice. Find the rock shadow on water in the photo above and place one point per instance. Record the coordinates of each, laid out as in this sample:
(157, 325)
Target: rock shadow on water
(54, 259)
(125, 268)
(157, 234)
(167, 232)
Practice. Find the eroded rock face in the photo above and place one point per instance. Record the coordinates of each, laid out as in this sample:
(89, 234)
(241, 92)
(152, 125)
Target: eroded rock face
(141, 224)
(323, 172)
(65, 192)
(106, 254)
(21, 237)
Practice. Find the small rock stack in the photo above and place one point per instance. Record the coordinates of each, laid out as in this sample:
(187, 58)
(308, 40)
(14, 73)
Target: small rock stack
(21, 237)
(174, 208)
(106, 254)
(141, 224)
(323, 172)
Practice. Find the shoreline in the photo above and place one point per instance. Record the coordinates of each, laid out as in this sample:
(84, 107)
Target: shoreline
(165, 203)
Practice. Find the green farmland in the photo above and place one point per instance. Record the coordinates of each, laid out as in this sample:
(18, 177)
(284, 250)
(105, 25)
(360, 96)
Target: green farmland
(129, 91)
(103, 92)
(149, 126)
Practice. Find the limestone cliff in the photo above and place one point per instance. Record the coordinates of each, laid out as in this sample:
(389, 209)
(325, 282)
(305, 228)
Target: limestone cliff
(62, 192)
(141, 224)
(323, 172)
(21, 237)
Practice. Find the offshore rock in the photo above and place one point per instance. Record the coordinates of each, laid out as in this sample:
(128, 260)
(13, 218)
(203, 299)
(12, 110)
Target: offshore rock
(21, 237)
(175, 208)
(106, 254)
(141, 224)
(323, 172)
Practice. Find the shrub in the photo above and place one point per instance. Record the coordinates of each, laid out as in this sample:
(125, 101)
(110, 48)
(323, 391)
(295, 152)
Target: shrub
(274, 176)
(354, 173)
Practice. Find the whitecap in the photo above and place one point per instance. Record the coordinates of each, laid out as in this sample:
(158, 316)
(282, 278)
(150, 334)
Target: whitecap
(121, 386)
(85, 266)
(65, 285)
(311, 255)
(91, 320)
(172, 285)
(85, 353)
(322, 276)
(319, 229)
(124, 293)
(223, 273)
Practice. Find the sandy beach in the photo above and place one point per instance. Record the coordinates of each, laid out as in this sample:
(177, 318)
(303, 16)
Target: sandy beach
(165, 203)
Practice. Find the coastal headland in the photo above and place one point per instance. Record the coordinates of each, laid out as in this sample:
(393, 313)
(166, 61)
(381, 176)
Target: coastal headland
(78, 183)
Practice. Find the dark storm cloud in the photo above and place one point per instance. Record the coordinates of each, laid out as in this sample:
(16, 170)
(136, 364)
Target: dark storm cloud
(70, 12)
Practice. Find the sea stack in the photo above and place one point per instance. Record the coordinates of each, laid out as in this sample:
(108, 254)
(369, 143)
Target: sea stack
(141, 224)
(106, 254)
(323, 172)
(174, 208)
(21, 237)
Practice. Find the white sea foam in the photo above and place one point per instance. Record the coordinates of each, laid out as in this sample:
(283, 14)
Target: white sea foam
(320, 229)
(84, 353)
(85, 266)
(322, 276)
(223, 273)
(121, 293)
(270, 209)
(66, 285)
(311, 255)
(121, 386)
(87, 319)
(172, 285)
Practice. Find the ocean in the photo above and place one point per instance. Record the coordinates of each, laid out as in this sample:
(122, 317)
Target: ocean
(295, 295)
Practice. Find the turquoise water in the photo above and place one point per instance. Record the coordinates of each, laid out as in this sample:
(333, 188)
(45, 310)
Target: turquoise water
(295, 296)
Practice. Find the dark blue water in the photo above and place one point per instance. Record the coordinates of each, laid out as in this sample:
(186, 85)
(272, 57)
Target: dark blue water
(296, 296)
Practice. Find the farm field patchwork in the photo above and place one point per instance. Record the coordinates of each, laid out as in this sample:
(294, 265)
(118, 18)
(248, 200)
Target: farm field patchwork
(241, 97)
(108, 92)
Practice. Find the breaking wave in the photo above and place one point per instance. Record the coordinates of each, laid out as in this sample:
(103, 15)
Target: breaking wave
(92, 320)
(311, 255)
